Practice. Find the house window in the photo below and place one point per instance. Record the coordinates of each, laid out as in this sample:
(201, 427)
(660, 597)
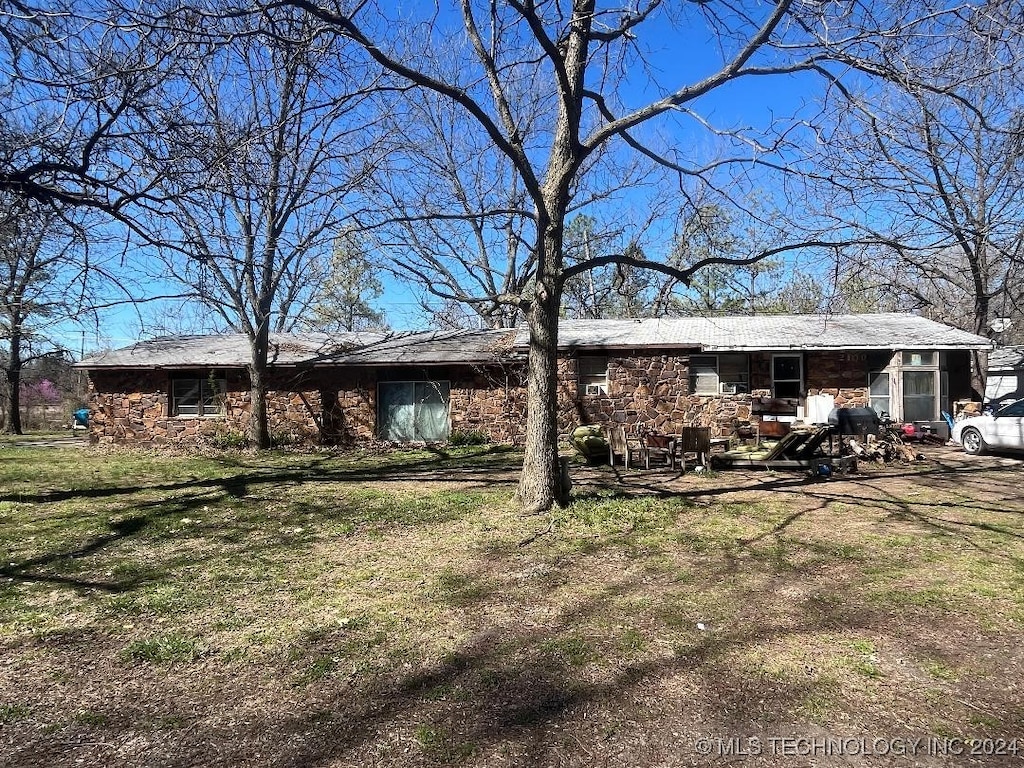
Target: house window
(879, 388)
(714, 374)
(787, 375)
(413, 410)
(704, 375)
(909, 386)
(921, 385)
(920, 401)
(198, 395)
(919, 359)
(593, 374)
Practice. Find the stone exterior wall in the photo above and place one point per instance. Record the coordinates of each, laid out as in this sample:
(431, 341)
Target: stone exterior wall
(653, 390)
(314, 406)
(844, 375)
(491, 401)
(339, 406)
(134, 407)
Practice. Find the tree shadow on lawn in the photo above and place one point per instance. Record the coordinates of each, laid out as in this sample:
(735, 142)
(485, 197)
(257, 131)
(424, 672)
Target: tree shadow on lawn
(534, 691)
(954, 516)
(120, 529)
(512, 695)
(516, 696)
(873, 488)
(480, 466)
(230, 531)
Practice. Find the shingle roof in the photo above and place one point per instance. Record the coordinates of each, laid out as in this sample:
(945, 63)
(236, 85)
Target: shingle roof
(232, 350)
(712, 334)
(767, 332)
(1006, 359)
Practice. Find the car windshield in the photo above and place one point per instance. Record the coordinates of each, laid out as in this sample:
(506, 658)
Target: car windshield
(1013, 409)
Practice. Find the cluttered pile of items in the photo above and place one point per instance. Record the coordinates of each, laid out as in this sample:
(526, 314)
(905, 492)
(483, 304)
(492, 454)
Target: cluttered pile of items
(893, 442)
(823, 449)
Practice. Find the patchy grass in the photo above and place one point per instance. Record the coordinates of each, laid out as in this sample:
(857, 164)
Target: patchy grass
(164, 649)
(395, 608)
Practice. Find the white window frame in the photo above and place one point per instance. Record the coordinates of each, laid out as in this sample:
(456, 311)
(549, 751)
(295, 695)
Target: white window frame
(903, 361)
(718, 386)
(890, 395)
(934, 368)
(592, 374)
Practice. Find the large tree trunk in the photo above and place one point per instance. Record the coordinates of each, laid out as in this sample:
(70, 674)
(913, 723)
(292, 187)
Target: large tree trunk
(259, 429)
(540, 485)
(977, 259)
(13, 371)
(979, 374)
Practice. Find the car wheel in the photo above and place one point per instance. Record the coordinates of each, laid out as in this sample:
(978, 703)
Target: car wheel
(972, 442)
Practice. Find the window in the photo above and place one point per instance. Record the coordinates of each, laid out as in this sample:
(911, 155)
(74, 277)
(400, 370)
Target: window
(413, 410)
(714, 374)
(879, 392)
(198, 395)
(919, 395)
(704, 375)
(919, 359)
(919, 379)
(787, 375)
(593, 374)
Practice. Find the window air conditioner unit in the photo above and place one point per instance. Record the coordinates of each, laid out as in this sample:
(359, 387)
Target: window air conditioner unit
(595, 389)
(728, 389)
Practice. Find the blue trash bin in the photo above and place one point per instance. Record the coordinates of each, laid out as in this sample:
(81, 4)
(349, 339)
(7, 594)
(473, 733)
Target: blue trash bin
(82, 417)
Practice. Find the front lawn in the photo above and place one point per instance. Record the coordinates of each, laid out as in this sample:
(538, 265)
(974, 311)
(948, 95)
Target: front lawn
(395, 609)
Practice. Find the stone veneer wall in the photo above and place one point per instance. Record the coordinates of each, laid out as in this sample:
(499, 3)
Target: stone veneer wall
(332, 406)
(338, 406)
(133, 406)
(491, 400)
(844, 375)
(654, 390)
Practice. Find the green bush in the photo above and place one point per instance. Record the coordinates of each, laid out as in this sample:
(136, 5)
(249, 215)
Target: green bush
(468, 437)
(282, 439)
(227, 441)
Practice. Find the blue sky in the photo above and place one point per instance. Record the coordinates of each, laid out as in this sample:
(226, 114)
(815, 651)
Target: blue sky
(750, 102)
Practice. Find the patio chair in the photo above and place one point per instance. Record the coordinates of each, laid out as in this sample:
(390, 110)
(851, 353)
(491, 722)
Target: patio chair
(622, 444)
(695, 440)
(661, 447)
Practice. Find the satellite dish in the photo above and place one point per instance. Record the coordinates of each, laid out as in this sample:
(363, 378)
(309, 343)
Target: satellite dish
(1000, 324)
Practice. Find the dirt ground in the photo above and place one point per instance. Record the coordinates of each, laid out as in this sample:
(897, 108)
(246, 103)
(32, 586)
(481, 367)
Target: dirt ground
(735, 618)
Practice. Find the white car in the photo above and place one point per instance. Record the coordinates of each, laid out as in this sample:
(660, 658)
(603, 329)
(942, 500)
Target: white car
(1001, 431)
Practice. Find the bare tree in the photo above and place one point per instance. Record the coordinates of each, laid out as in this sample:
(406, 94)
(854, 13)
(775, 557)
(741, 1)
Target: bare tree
(547, 85)
(616, 290)
(44, 281)
(347, 282)
(79, 126)
(453, 212)
(266, 157)
(940, 171)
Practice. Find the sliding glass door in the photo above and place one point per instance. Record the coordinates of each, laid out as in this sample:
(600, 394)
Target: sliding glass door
(410, 411)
